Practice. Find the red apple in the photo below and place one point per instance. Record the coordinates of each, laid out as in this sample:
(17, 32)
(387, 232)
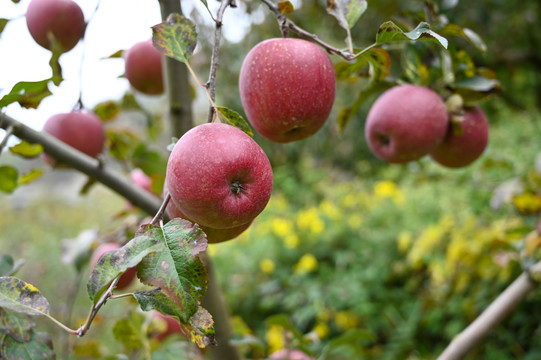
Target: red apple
(55, 20)
(214, 236)
(290, 354)
(143, 68)
(141, 179)
(81, 130)
(127, 278)
(172, 325)
(406, 123)
(218, 176)
(287, 88)
(459, 150)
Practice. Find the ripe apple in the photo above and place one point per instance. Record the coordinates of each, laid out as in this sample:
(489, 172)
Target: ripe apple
(287, 88)
(218, 176)
(290, 354)
(460, 150)
(214, 236)
(82, 130)
(172, 325)
(55, 20)
(143, 68)
(127, 278)
(406, 123)
(142, 180)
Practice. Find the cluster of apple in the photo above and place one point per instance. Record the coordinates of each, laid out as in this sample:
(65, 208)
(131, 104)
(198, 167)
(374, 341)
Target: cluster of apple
(409, 121)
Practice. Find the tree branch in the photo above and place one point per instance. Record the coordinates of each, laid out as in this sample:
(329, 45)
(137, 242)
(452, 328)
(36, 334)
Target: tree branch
(286, 25)
(177, 82)
(492, 316)
(84, 163)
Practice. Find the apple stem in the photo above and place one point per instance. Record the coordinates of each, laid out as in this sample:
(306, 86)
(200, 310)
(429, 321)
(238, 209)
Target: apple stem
(9, 132)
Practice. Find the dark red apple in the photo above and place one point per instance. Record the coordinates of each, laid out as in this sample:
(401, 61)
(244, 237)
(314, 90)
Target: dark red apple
(82, 130)
(218, 176)
(214, 236)
(171, 327)
(143, 68)
(287, 88)
(406, 123)
(55, 20)
(460, 150)
(127, 278)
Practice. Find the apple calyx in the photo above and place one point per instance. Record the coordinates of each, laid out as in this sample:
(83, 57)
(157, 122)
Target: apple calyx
(237, 188)
(455, 108)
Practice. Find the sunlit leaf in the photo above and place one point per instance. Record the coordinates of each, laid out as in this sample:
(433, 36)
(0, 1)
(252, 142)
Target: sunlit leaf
(19, 296)
(26, 149)
(466, 33)
(177, 270)
(347, 12)
(476, 88)
(286, 7)
(378, 61)
(389, 31)
(27, 93)
(39, 347)
(30, 176)
(116, 262)
(18, 326)
(232, 117)
(176, 37)
(107, 110)
(9, 178)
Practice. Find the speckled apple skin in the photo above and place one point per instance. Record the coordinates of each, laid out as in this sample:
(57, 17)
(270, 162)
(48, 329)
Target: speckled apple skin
(406, 123)
(63, 19)
(461, 150)
(287, 88)
(82, 130)
(204, 164)
(214, 236)
(144, 69)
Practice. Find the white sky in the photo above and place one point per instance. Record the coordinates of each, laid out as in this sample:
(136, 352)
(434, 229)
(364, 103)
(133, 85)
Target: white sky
(117, 24)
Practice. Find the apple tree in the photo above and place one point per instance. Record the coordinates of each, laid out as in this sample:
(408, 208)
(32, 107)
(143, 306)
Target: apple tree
(211, 182)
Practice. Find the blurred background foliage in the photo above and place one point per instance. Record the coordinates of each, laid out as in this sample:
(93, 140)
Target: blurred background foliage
(353, 258)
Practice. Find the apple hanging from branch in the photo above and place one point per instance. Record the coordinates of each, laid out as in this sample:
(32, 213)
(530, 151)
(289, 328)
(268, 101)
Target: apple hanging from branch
(144, 69)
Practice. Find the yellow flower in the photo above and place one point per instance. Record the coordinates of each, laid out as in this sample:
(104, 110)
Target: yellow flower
(321, 329)
(355, 221)
(310, 220)
(267, 266)
(346, 320)
(330, 210)
(404, 241)
(282, 227)
(275, 338)
(527, 203)
(291, 241)
(307, 263)
(388, 189)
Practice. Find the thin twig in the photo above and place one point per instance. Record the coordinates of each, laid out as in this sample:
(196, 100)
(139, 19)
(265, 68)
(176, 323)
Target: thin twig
(161, 211)
(214, 60)
(97, 306)
(9, 132)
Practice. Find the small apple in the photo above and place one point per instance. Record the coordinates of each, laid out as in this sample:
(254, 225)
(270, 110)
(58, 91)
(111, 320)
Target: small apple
(82, 130)
(406, 123)
(55, 20)
(460, 150)
(290, 354)
(142, 180)
(127, 278)
(214, 236)
(170, 327)
(287, 88)
(218, 176)
(143, 68)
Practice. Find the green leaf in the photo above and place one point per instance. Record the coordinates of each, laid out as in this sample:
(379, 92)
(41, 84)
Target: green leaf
(232, 117)
(389, 31)
(347, 12)
(466, 33)
(177, 350)
(30, 176)
(122, 142)
(3, 23)
(116, 262)
(39, 347)
(200, 328)
(6, 265)
(177, 269)
(286, 7)
(27, 150)
(176, 37)
(150, 161)
(27, 93)
(476, 88)
(18, 326)
(19, 296)
(129, 331)
(107, 110)
(8, 178)
(155, 299)
(378, 60)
